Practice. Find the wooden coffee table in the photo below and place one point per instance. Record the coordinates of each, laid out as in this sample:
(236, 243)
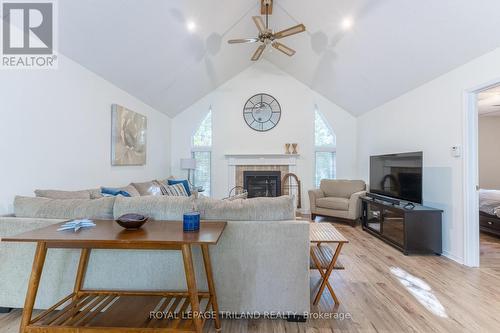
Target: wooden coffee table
(91, 311)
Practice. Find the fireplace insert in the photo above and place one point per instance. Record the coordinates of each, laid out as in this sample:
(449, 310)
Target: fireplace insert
(262, 183)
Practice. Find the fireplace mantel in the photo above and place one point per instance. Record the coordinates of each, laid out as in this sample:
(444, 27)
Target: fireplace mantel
(262, 159)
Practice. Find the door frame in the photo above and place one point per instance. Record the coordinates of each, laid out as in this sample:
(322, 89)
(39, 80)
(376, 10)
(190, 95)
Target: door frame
(471, 173)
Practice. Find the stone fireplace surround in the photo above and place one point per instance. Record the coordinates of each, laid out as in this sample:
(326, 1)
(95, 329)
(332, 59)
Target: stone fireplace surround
(238, 163)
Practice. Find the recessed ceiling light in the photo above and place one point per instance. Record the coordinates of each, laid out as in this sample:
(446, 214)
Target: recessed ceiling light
(191, 26)
(347, 23)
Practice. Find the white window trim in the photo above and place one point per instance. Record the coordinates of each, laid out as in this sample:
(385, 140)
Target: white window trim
(206, 149)
(323, 148)
(333, 151)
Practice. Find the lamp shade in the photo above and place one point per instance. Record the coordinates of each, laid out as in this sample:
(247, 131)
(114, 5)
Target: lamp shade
(188, 164)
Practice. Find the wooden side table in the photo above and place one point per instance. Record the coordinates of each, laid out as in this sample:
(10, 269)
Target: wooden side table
(323, 257)
(93, 311)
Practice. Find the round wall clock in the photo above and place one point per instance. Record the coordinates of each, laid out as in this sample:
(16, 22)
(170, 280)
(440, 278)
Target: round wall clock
(262, 112)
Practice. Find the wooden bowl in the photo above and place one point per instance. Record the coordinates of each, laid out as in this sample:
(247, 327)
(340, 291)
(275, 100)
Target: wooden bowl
(132, 221)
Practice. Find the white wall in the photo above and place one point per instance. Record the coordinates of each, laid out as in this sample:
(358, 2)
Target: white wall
(232, 135)
(55, 130)
(489, 152)
(431, 118)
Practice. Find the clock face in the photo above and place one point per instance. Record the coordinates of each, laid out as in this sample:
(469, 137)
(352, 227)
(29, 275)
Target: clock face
(262, 112)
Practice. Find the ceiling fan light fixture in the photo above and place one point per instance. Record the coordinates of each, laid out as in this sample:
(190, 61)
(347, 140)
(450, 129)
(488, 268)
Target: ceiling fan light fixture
(266, 35)
(191, 26)
(347, 23)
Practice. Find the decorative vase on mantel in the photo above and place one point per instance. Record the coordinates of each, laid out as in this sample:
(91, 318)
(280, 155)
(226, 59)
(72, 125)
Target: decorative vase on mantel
(287, 148)
(294, 147)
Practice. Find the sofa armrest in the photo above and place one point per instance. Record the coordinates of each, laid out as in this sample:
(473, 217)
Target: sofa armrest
(355, 205)
(313, 195)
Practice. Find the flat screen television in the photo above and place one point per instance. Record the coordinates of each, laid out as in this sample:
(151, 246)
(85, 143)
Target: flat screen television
(397, 176)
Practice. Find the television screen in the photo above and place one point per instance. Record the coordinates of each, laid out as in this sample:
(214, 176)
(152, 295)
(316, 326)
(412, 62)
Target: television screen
(397, 175)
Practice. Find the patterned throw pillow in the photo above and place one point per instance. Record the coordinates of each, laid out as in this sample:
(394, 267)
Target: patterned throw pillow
(176, 190)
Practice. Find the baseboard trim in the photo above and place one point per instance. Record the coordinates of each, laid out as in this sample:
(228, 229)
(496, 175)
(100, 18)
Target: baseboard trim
(453, 257)
(5, 310)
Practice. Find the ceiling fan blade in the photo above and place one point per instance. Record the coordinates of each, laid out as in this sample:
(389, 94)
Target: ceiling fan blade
(258, 52)
(283, 48)
(243, 40)
(259, 23)
(290, 31)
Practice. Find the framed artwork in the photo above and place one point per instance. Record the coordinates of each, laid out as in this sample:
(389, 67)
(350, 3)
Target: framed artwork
(128, 137)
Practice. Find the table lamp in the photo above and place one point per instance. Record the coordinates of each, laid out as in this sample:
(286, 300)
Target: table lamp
(188, 164)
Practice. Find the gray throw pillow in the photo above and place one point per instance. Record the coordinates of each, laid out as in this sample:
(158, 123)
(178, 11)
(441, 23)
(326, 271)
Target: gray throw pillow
(148, 188)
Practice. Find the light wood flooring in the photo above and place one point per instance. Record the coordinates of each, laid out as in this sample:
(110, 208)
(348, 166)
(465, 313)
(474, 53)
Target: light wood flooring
(384, 291)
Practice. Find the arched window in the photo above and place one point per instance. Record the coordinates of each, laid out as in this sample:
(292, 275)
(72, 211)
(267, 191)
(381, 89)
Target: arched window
(325, 144)
(201, 151)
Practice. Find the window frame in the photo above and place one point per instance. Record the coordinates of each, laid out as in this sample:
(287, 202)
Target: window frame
(331, 148)
(195, 149)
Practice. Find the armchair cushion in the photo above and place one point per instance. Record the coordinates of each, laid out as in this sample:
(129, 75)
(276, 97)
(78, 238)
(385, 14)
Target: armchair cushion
(333, 203)
(341, 188)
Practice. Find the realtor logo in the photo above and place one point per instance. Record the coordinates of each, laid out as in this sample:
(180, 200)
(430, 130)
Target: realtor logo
(28, 34)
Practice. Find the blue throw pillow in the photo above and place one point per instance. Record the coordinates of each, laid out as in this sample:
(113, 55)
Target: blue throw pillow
(114, 191)
(184, 182)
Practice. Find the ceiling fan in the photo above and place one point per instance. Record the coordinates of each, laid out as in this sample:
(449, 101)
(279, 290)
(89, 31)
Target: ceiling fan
(267, 36)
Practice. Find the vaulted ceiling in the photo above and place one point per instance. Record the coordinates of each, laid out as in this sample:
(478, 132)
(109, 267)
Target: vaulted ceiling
(143, 46)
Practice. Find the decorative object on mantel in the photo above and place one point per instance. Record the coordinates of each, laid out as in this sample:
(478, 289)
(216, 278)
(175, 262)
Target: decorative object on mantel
(262, 112)
(132, 221)
(128, 137)
(76, 225)
(290, 185)
(294, 147)
(287, 148)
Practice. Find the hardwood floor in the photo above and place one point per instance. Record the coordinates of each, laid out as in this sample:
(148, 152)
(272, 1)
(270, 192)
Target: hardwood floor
(384, 291)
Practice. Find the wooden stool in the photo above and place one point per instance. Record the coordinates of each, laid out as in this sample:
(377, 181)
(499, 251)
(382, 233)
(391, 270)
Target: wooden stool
(323, 257)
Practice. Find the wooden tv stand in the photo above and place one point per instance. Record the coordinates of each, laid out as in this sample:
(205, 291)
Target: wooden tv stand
(412, 231)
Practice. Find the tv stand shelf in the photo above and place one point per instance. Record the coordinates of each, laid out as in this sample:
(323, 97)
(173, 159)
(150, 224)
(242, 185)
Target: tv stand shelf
(412, 231)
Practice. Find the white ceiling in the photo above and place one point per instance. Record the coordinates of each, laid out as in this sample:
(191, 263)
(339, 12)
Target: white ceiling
(143, 46)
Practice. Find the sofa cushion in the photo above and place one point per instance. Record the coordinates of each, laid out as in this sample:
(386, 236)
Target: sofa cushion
(64, 208)
(158, 207)
(59, 194)
(333, 203)
(341, 188)
(254, 209)
(148, 188)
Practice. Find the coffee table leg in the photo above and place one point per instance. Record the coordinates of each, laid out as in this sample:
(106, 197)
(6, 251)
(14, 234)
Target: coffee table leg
(211, 285)
(191, 284)
(36, 273)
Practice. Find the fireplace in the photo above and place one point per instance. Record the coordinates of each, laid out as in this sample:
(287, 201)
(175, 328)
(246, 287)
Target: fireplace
(262, 183)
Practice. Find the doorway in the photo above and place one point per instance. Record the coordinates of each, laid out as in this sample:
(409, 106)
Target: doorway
(482, 183)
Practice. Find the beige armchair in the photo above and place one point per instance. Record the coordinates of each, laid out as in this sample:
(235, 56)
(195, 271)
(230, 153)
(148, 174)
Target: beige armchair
(338, 199)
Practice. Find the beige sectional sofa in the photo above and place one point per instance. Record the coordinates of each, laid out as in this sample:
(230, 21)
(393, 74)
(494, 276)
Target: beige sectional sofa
(260, 264)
